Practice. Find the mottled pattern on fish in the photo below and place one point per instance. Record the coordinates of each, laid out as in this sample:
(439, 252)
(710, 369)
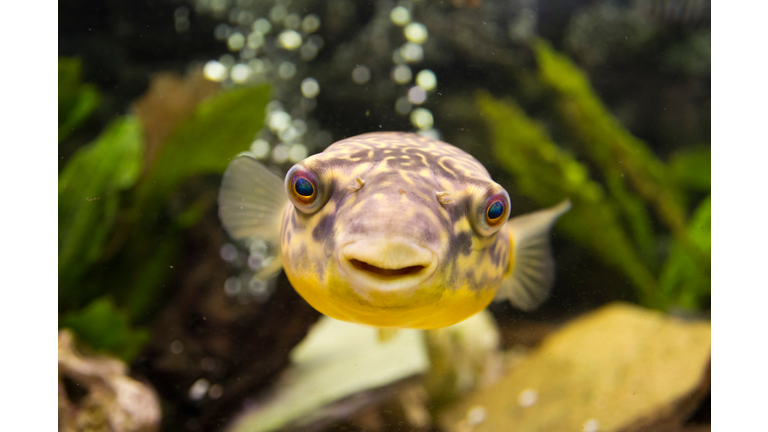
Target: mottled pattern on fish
(396, 240)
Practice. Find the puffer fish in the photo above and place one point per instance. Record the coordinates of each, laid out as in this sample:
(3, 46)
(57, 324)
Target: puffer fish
(393, 230)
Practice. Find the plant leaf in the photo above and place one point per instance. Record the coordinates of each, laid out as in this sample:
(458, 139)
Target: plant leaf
(105, 328)
(692, 168)
(683, 278)
(204, 143)
(89, 196)
(615, 150)
(548, 174)
(76, 100)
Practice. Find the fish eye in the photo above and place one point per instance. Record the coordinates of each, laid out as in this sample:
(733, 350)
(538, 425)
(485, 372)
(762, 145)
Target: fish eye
(491, 212)
(494, 211)
(304, 189)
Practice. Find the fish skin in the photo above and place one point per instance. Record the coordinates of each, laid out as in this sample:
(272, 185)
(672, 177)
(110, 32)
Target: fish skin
(404, 204)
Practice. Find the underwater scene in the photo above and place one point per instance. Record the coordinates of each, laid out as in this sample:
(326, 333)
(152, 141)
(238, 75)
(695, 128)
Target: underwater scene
(380, 216)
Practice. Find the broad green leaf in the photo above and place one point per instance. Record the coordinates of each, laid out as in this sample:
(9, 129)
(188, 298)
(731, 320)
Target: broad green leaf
(549, 174)
(89, 196)
(76, 100)
(204, 143)
(105, 328)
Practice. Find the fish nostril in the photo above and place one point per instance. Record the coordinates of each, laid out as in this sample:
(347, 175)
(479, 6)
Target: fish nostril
(364, 266)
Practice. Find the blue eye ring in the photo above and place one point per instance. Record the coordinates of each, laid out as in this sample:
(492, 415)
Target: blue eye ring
(495, 209)
(303, 187)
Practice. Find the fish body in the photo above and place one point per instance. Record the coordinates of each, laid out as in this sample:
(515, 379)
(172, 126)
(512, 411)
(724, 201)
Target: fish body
(392, 230)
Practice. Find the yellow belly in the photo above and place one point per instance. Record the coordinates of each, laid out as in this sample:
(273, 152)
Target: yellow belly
(428, 307)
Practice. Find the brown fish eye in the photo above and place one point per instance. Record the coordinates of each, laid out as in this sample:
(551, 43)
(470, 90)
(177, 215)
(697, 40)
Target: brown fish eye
(303, 187)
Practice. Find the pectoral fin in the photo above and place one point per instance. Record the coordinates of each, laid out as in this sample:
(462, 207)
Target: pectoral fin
(532, 268)
(251, 204)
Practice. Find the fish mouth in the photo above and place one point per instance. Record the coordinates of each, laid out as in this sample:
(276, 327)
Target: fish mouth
(387, 264)
(383, 272)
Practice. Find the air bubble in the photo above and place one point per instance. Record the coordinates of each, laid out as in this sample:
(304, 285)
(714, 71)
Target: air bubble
(422, 118)
(279, 121)
(401, 74)
(216, 391)
(177, 347)
(199, 389)
(215, 71)
(361, 75)
(228, 252)
(310, 23)
(255, 40)
(260, 148)
(280, 153)
(278, 13)
(262, 25)
(286, 70)
(417, 95)
(426, 79)
(222, 31)
(232, 286)
(402, 106)
(290, 40)
(310, 88)
(416, 33)
(412, 52)
(292, 21)
(400, 16)
(308, 51)
(240, 73)
(297, 152)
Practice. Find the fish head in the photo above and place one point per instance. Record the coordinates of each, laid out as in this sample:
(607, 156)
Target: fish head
(393, 230)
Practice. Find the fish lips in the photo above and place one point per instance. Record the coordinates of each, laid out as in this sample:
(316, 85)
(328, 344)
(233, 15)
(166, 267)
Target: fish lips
(386, 264)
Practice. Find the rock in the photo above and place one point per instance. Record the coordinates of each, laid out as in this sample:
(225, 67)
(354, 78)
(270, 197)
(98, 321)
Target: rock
(620, 368)
(103, 397)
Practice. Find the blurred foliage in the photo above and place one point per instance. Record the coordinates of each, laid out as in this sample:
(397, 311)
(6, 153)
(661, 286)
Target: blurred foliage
(76, 100)
(548, 174)
(681, 279)
(609, 214)
(202, 144)
(106, 328)
(120, 219)
(89, 195)
(692, 169)
(693, 55)
(205, 142)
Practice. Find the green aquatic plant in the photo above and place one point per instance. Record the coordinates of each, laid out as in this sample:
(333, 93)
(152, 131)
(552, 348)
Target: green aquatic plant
(89, 195)
(106, 328)
(117, 234)
(76, 100)
(202, 144)
(610, 216)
